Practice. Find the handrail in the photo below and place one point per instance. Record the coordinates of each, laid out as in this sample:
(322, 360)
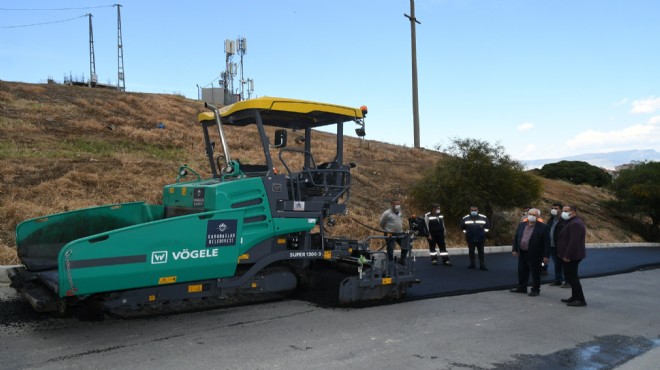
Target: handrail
(221, 132)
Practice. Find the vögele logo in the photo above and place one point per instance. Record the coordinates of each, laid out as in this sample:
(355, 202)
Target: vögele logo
(158, 257)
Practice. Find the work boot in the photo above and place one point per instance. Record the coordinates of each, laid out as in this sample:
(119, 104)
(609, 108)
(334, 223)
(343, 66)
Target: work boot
(434, 260)
(447, 263)
(483, 268)
(404, 254)
(472, 266)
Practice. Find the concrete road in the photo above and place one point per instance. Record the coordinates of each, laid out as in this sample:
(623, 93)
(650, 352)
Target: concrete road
(491, 330)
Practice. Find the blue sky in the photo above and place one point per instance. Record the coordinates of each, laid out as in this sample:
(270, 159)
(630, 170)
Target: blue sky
(545, 79)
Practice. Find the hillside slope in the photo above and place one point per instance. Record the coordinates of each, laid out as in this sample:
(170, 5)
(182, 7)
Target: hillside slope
(67, 147)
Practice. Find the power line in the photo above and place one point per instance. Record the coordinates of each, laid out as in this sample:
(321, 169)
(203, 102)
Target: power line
(54, 9)
(42, 23)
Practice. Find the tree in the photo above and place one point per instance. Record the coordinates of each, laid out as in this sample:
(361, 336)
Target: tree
(476, 173)
(577, 172)
(638, 192)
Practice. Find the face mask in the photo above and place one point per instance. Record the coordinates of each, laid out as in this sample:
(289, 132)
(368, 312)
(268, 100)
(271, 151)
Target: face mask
(565, 215)
(437, 212)
(553, 212)
(531, 218)
(397, 208)
(473, 213)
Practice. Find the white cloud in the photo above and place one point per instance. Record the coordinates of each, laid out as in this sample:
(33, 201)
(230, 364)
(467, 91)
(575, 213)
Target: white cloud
(525, 126)
(648, 105)
(531, 152)
(639, 136)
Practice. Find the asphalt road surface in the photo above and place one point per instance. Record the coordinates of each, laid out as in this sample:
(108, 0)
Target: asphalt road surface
(442, 281)
(488, 330)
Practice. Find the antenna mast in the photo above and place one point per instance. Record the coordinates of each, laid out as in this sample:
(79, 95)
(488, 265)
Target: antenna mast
(92, 58)
(242, 49)
(226, 82)
(230, 70)
(121, 83)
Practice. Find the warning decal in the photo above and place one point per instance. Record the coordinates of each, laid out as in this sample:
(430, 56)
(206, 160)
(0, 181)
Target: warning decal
(198, 197)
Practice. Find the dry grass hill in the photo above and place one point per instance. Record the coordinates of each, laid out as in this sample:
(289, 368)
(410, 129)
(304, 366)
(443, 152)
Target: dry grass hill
(68, 147)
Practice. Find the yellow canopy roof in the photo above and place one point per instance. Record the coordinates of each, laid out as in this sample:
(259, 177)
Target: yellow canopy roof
(283, 112)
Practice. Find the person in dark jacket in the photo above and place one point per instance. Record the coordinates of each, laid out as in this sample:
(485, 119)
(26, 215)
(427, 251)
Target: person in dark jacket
(435, 224)
(571, 248)
(544, 266)
(531, 245)
(556, 223)
(475, 226)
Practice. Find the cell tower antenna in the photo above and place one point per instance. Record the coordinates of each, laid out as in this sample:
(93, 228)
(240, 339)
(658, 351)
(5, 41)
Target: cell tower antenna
(250, 83)
(121, 82)
(92, 58)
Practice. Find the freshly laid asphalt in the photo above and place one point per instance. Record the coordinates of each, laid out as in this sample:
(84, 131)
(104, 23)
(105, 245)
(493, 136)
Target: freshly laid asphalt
(442, 281)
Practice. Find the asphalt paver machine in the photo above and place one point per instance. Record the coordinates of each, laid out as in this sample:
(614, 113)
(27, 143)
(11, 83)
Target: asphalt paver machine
(248, 233)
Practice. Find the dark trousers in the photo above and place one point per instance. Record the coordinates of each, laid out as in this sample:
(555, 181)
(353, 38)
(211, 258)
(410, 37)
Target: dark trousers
(527, 264)
(480, 249)
(391, 241)
(559, 265)
(439, 240)
(571, 272)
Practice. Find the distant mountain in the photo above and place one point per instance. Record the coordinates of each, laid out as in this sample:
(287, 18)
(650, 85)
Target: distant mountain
(604, 160)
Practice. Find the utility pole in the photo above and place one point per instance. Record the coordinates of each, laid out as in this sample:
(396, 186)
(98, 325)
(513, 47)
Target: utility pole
(413, 42)
(121, 83)
(92, 58)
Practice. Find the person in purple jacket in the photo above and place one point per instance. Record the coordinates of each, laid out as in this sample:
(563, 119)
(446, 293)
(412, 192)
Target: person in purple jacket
(572, 250)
